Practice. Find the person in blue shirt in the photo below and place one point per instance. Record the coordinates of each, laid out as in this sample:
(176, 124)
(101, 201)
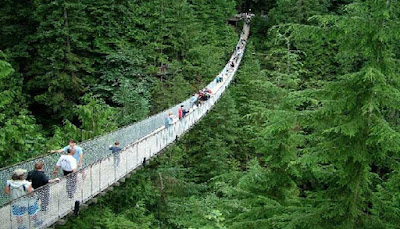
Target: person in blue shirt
(193, 100)
(219, 78)
(78, 151)
(169, 120)
(116, 149)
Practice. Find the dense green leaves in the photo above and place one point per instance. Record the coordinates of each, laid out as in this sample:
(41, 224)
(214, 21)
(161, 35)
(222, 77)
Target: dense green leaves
(20, 137)
(126, 59)
(308, 137)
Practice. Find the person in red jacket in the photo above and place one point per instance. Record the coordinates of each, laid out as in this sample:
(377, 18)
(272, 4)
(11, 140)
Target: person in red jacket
(181, 112)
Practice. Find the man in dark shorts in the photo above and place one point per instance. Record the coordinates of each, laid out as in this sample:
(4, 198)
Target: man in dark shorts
(39, 179)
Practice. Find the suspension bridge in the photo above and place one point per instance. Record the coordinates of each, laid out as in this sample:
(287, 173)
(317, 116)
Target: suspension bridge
(140, 141)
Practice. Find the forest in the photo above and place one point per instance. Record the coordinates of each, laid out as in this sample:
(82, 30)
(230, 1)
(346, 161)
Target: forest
(307, 136)
(79, 69)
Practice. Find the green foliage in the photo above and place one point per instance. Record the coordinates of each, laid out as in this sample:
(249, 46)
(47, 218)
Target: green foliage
(105, 218)
(54, 75)
(5, 69)
(168, 93)
(351, 125)
(214, 143)
(95, 118)
(134, 101)
(116, 51)
(284, 61)
(297, 11)
(306, 138)
(19, 132)
(256, 6)
(350, 143)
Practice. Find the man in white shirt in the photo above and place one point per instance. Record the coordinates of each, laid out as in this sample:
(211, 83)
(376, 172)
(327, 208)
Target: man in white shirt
(68, 165)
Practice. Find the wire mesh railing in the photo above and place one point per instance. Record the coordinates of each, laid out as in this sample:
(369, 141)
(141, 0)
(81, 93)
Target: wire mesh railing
(101, 168)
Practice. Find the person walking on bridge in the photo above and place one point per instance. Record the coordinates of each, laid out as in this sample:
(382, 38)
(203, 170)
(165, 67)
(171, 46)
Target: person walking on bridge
(78, 152)
(18, 187)
(169, 120)
(68, 165)
(181, 112)
(219, 78)
(116, 149)
(194, 100)
(39, 179)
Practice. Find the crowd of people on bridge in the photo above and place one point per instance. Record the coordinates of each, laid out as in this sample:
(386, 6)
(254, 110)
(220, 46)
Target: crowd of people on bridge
(18, 186)
(37, 180)
(72, 159)
(205, 94)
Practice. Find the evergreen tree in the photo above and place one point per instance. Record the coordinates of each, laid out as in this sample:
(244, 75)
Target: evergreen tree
(95, 118)
(215, 142)
(308, 138)
(351, 134)
(297, 11)
(19, 131)
(54, 78)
